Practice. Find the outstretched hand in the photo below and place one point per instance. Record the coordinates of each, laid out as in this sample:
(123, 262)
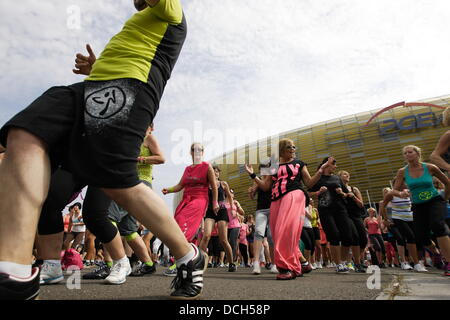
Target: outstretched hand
(249, 168)
(330, 161)
(83, 64)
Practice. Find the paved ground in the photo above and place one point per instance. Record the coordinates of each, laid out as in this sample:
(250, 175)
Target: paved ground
(220, 284)
(245, 296)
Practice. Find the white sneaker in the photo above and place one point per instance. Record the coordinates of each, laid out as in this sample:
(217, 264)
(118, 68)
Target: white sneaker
(119, 273)
(406, 266)
(419, 268)
(51, 273)
(329, 265)
(314, 266)
(319, 265)
(273, 269)
(256, 268)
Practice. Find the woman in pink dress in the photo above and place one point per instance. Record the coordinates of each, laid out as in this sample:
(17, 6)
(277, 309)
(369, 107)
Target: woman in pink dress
(195, 182)
(287, 209)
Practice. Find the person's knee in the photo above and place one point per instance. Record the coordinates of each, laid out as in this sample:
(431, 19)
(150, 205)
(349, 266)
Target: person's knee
(122, 196)
(17, 137)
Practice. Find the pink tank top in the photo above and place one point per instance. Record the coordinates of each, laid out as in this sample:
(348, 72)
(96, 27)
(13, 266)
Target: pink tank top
(233, 222)
(195, 179)
(373, 227)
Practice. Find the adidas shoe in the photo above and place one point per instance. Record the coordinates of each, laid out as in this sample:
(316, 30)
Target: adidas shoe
(188, 284)
(13, 288)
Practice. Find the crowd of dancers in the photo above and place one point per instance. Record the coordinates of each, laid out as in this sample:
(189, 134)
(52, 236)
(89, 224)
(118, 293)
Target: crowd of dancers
(98, 133)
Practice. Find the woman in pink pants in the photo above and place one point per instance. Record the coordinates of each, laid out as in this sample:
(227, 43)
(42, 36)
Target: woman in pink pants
(195, 182)
(287, 210)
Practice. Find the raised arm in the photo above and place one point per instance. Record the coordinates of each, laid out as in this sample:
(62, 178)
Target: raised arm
(176, 188)
(442, 147)
(83, 64)
(383, 204)
(264, 184)
(311, 181)
(435, 171)
(399, 180)
(157, 156)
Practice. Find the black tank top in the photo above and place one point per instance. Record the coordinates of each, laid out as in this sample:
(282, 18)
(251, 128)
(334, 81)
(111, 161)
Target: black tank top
(264, 199)
(352, 208)
(220, 195)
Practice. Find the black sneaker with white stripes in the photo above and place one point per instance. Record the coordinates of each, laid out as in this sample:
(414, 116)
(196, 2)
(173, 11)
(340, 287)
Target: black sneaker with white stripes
(12, 288)
(188, 284)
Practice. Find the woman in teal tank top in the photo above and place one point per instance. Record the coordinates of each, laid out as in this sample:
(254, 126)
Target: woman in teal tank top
(429, 208)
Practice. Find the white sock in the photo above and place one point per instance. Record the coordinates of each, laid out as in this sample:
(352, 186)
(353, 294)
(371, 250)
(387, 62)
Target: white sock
(15, 269)
(123, 260)
(53, 261)
(188, 257)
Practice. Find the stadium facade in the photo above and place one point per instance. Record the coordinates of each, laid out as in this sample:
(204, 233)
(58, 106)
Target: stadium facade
(370, 152)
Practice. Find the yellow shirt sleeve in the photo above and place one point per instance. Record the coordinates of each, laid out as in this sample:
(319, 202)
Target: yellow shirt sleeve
(168, 10)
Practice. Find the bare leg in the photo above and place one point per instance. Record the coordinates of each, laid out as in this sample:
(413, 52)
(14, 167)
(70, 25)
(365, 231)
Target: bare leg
(25, 174)
(50, 246)
(223, 237)
(140, 249)
(208, 226)
(444, 244)
(143, 203)
(336, 254)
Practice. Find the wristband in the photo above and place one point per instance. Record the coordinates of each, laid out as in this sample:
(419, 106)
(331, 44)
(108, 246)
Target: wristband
(170, 189)
(253, 176)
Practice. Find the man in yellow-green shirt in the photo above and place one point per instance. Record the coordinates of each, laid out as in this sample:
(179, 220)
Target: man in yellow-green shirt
(94, 129)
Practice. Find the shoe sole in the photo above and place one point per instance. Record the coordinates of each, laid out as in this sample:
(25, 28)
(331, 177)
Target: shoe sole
(201, 290)
(115, 283)
(52, 280)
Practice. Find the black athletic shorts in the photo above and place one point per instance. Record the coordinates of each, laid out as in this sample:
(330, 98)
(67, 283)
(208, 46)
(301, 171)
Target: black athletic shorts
(93, 128)
(222, 215)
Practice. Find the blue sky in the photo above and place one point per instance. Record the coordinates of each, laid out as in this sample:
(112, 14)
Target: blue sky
(253, 65)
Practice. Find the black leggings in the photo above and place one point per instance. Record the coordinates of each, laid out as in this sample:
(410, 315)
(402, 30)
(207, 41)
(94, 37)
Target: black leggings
(378, 242)
(308, 239)
(244, 253)
(430, 216)
(397, 236)
(336, 225)
(359, 232)
(95, 208)
(406, 229)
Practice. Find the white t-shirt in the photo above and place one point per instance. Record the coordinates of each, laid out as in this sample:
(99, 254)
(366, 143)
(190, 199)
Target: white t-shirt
(307, 222)
(78, 228)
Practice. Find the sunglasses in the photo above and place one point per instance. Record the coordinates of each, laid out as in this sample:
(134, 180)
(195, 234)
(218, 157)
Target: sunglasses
(197, 149)
(291, 147)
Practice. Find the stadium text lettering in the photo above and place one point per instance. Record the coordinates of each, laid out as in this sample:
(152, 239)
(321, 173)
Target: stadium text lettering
(421, 120)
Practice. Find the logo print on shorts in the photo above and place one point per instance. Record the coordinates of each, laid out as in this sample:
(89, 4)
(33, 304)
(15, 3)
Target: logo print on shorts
(106, 102)
(425, 195)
